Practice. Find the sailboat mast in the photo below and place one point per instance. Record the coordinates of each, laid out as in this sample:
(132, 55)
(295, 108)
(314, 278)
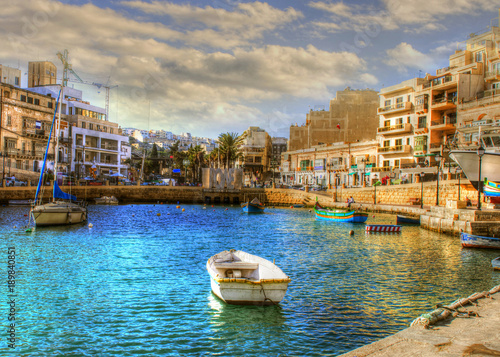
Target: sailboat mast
(56, 154)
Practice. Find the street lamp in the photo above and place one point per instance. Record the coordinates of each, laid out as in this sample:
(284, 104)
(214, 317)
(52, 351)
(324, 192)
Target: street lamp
(422, 174)
(438, 158)
(185, 162)
(480, 153)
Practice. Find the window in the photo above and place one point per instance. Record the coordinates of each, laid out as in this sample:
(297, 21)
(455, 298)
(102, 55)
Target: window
(9, 120)
(37, 101)
(496, 85)
(387, 163)
(387, 143)
(22, 98)
(422, 122)
(408, 120)
(49, 104)
(387, 103)
(479, 56)
(407, 141)
(91, 126)
(399, 121)
(111, 130)
(30, 100)
(409, 98)
(16, 81)
(399, 142)
(387, 123)
(396, 163)
(6, 94)
(399, 100)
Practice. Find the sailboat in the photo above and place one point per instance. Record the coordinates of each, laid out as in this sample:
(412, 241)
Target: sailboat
(64, 208)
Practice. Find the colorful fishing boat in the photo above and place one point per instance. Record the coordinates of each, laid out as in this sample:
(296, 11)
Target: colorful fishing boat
(339, 215)
(473, 241)
(491, 188)
(383, 228)
(400, 219)
(241, 278)
(495, 263)
(254, 206)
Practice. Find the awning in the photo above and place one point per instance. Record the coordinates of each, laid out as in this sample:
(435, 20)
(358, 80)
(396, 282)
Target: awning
(368, 174)
(352, 173)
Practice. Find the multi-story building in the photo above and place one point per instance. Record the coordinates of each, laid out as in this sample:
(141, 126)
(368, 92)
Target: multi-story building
(9, 75)
(41, 73)
(352, 116)
(25, 123)
(339, 164)
(89, 142)
(256, 152)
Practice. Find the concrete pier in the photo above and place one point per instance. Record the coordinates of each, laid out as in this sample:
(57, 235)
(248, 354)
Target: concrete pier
(474, 332)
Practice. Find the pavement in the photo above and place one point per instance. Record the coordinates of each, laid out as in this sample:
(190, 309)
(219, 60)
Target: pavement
(476, 335)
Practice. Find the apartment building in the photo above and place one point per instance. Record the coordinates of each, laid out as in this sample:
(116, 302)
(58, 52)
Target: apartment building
(25, 123)
(256, 151)
(9, 75)
(41, 73)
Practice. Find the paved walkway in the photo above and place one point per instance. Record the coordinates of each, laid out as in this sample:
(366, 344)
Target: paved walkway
(459, 336)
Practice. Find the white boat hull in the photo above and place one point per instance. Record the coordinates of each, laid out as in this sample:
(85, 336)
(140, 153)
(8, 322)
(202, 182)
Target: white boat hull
(58, 213)
(240, 278)
(247, 293)
(469, 162)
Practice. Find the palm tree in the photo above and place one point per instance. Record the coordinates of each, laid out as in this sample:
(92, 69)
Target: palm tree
(196, 156)
(229, 147)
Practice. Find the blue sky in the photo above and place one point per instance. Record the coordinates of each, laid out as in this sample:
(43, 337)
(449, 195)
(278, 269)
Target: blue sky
(208, 67)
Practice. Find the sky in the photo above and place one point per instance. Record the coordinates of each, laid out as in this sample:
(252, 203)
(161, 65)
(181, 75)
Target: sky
(211, 67)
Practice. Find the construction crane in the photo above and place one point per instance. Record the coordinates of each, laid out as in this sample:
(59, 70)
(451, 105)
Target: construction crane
(68, 68)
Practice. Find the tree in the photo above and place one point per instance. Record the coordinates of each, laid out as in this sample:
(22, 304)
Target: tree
(196, 156)
(229, 147)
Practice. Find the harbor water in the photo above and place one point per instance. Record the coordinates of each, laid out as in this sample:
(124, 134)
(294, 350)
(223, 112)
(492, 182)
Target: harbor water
(136, 283)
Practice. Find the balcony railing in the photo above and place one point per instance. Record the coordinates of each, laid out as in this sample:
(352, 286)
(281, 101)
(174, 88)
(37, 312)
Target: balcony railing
(420, 148)
(395, 129)
(395, 107)
(492, 74)
(397, 149)
(381, 168)
(442, 81)
(25, 153)
(446, 120)
(35, 132)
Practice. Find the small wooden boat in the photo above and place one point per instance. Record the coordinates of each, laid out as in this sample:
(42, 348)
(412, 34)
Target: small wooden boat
(495, 263)
(383, 228)
(339, 215)
(400, 219)
(244, 279)
(473, 241)
(106, 200)
(254, 206)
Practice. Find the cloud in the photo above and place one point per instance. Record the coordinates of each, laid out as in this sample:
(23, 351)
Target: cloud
(411, 16)
(404, 57)
(247, 20)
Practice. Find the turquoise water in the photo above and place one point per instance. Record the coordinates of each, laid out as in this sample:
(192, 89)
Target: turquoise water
(136, 284)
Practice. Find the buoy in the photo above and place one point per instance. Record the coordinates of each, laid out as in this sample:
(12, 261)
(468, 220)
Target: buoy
(214, 210)
(150, 211)
(91, 225)
(158, 214)
(25, 215)
(212, 206)
(183, 209)
(351, 233)
(168, 214)
(177, 206)
(133, 215)
(373, 216)
(15, 227)
(204, 208)
(291, 206)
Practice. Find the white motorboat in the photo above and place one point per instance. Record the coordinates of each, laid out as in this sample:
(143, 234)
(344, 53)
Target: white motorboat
(244, 279)
(106, 200)
(485, 134)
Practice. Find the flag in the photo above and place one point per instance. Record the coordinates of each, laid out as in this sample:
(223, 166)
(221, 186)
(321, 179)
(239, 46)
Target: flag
(338, 126)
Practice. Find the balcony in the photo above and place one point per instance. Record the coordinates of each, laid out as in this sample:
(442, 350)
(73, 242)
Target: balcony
(395, 129)
(492, 75)
(444, 103)
(36, 133)
(381, 169)
(421, 130)
(420, 148)
(444, 83)
(25, 154)
(444, 123)
(398, 107)
(397, 149)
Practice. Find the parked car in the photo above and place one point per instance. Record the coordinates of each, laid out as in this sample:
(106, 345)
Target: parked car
(12, 182)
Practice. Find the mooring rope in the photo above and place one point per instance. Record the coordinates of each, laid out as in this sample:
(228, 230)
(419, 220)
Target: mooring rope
(442, 312)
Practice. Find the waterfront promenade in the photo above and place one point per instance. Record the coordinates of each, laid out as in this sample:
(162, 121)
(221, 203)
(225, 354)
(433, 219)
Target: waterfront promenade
(474, 332)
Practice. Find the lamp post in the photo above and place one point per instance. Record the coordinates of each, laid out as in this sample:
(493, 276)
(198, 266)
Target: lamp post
(438, 158)
(480, 153)
(422, 174)
(375, 187)
(185, 162)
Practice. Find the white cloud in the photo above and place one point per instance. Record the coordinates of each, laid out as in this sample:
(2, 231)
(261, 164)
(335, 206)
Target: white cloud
(404, 57)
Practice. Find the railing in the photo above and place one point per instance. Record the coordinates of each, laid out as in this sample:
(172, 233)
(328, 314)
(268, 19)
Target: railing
(493, 73)
(491, 92)
(444, 121)
(444, 101)
(442, 80)
(422, 147)
(111, 148)
(381, 168)
(435, 145)
(394, 149)
(397, 127)
(20, 152)
(38, 132)
(395, 107)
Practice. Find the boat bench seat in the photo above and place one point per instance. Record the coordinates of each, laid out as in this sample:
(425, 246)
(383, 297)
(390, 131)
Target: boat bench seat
(236, 265)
